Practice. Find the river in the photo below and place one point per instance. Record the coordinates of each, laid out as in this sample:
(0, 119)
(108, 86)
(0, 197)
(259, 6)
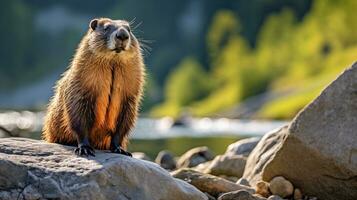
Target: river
(154, 134)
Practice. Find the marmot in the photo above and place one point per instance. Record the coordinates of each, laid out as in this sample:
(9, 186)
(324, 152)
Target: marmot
(96, 101)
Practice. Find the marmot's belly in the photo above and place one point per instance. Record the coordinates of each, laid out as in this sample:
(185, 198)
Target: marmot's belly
(100, 139)
(108, 107)
(103, 127)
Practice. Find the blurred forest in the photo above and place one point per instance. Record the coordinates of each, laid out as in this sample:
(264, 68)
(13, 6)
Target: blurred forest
(258, 58)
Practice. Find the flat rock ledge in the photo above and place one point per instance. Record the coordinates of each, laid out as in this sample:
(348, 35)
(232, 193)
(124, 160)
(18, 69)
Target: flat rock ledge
(33, 169)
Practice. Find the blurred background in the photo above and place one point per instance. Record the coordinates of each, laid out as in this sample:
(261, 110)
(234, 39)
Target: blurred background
(217, 70)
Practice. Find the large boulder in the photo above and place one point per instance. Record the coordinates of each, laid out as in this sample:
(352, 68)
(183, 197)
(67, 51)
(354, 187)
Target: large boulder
(318, 151)
(262, 154)
(32, 169)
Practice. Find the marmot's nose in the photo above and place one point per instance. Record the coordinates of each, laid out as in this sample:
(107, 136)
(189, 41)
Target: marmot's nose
(122, 35)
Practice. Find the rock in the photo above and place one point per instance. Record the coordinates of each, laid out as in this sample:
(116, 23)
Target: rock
(141, 156)
(243, 146)
(262, 154)
(227, 165)
(166, 160)
(33, 169)
(275, 197)
(318, 151)
(12, 194)
(243, 181)
(312, 198)
(208, 183)
(297, 194)
(237, 195)
(258, 197)
(281, 187)
(195, 157)
(262, 188)
(202, 167)
(31, 193)
(210, 197)
(229, 178)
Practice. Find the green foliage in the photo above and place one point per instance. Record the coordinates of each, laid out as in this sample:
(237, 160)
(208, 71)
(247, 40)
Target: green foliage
(319, 51)
(274, 46)
(230, 62)
(294, 99)
(224, 26)
(292, 59)
(186, 84)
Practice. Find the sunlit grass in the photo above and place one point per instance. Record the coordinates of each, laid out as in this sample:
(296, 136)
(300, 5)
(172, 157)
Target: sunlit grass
(287, 106)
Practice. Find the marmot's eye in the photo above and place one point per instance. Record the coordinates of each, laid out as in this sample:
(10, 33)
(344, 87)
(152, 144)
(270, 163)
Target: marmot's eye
(107, 28)
(127, 28)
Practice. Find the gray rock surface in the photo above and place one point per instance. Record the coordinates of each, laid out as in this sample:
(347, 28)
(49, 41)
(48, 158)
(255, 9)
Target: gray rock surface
(194, 157)
(213, 185)
(237, 195)
(202, 167)
(229, 165)
(275, 197)
(166, 160)
(243, 181)
(141, 156)
(32, 169)
(259, 197)
(281, 187)
(262, 155)
(243, 146)
(318, 151)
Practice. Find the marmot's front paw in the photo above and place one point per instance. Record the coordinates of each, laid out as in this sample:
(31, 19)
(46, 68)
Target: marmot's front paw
(121, 151)
(84, 150)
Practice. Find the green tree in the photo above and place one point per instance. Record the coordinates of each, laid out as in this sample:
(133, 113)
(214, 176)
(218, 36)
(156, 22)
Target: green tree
(186, 84)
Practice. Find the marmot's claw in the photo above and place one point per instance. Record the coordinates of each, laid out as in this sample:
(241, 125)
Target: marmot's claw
(121, 151)
(128, 154)
(84, 151)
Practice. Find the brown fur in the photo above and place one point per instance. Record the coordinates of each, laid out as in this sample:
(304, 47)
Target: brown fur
(108, 83)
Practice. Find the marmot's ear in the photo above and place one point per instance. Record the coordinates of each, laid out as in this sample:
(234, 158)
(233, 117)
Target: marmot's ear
(93, 24)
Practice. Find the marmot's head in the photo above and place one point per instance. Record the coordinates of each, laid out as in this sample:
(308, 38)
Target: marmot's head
(108, 36)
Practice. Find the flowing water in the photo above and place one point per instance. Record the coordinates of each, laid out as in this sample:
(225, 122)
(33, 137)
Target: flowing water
(152, 135)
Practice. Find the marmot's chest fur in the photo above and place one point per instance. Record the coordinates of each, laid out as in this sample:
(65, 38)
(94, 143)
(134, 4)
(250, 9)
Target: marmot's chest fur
(111, 84)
